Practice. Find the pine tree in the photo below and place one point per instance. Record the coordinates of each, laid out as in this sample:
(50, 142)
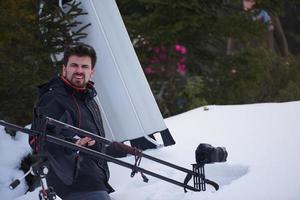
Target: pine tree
(203, 27)
(31, 31)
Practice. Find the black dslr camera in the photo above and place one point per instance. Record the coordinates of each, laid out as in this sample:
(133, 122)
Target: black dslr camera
(205, 153)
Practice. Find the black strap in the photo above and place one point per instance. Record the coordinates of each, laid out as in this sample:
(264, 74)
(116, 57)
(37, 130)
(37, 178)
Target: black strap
(76, 165)
(189, 177)
(138, 158)
(186, 180)
(214, 184)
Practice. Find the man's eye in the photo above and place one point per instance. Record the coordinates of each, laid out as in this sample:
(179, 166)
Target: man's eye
(73, 65)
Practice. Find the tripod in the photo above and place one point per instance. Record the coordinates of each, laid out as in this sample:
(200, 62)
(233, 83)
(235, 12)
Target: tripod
(41, 170)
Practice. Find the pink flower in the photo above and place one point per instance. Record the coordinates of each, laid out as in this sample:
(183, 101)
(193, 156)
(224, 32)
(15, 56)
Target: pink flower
(180, 48)
(183, 50)
(163, 57)
(156, 49)
(181, 68)
(149, 70)
(154, 60)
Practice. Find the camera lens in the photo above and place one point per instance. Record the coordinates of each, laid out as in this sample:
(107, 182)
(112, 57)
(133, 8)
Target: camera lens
(206, 153)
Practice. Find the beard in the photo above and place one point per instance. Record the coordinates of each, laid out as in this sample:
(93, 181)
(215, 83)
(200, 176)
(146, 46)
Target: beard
(76, 81)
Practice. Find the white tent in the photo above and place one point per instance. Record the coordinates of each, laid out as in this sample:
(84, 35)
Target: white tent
(129, 109)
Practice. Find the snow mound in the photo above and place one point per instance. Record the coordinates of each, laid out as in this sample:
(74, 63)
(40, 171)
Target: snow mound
(262, 141)
(263, 161)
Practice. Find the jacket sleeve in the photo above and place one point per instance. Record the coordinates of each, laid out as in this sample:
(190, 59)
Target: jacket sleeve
(61, 159)
(49, 106)
(115, 150)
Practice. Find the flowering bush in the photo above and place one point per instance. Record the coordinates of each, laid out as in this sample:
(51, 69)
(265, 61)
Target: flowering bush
(166, 60)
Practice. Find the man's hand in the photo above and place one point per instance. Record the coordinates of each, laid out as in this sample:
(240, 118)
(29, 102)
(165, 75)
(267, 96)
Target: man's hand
(86, 141)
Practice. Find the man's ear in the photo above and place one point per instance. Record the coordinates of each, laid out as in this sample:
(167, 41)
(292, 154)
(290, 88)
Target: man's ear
(63, 70)
(93, 72)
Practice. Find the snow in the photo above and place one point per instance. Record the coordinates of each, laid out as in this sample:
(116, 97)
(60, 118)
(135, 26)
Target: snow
(12, 150)
(262, 141)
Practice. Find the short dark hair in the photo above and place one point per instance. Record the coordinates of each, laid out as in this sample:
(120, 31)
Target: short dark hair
(80, 49)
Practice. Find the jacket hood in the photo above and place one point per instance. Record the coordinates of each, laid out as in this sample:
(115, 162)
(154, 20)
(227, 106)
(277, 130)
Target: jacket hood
(61, 85)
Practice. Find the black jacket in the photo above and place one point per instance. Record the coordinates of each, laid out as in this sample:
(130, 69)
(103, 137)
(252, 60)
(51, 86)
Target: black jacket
(69, 170)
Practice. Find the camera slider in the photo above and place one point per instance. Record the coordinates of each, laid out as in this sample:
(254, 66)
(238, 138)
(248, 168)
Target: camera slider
(46, 193)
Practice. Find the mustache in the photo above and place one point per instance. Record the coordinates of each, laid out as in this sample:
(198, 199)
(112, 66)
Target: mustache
(80, 74)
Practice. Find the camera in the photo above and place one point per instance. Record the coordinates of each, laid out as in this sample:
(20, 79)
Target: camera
(206, 153)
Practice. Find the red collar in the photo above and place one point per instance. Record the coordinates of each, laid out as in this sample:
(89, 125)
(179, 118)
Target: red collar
(77, 89)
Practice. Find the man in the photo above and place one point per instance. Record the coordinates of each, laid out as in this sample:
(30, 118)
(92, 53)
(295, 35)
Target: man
(276, 40)
(70, 98)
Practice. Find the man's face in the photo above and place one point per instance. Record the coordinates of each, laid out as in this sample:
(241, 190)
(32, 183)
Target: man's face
(78, 70)
(248, 4)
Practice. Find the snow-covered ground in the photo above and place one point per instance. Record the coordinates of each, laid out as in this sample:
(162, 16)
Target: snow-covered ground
(262, 141)
(12, 151)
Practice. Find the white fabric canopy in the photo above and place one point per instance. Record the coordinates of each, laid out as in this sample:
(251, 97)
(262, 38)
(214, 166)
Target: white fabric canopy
(129, 109)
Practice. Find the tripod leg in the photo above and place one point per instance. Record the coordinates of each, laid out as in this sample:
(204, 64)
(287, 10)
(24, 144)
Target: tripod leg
(202, 179)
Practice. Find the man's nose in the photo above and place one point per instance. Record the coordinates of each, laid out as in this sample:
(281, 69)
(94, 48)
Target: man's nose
(79, 69)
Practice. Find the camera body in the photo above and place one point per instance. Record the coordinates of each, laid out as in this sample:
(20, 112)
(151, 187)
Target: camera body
(206, 153)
